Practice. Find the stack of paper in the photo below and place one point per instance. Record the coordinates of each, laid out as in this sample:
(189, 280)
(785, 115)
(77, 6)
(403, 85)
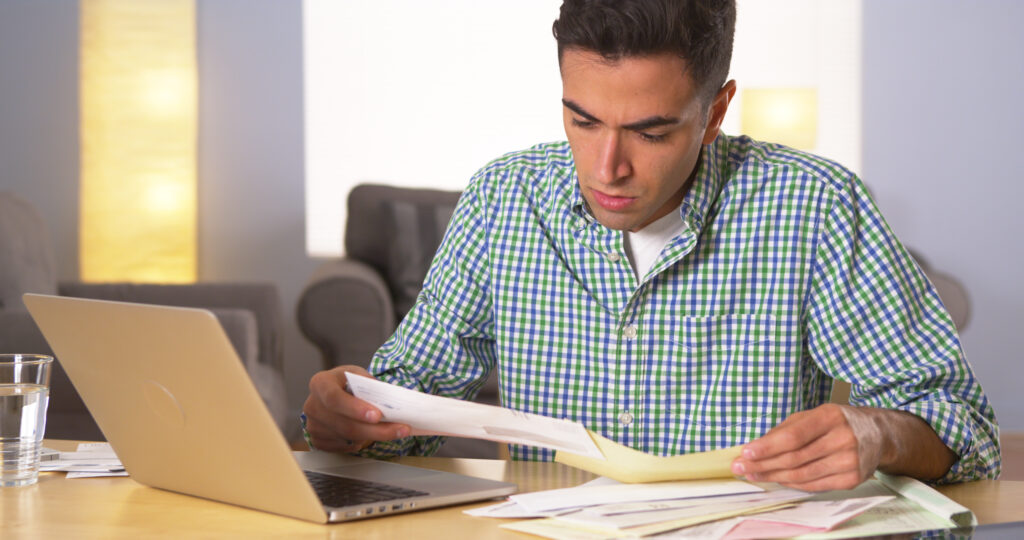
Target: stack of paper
(90, 460)
(641, 495)
(729, 510)
(609, 509)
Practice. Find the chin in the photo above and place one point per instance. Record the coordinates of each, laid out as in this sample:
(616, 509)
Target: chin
(615, 221)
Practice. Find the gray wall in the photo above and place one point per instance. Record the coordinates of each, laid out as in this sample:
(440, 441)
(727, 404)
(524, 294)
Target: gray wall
(943, 82)
(941, 103)
(39, 115)
(251, 181)
(251, 198)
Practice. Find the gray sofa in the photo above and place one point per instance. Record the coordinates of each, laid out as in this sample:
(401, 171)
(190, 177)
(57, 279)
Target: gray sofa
(251, 314)
(351, 305)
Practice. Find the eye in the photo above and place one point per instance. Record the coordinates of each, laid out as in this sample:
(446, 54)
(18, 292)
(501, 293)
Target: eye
(584, 124)
(652, 138)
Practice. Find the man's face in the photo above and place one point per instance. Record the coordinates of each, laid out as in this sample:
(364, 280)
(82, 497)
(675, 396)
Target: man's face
(636, 127)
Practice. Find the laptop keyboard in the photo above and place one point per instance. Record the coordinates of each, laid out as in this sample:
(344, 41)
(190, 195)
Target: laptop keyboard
(340, 491)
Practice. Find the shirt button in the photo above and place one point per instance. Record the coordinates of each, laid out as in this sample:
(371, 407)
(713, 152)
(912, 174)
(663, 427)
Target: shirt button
(630, 331)
(614, 257)
(626, 418)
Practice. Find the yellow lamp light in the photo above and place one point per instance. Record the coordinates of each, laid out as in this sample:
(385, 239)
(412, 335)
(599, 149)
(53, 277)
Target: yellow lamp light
(781, 115)
(139, 111)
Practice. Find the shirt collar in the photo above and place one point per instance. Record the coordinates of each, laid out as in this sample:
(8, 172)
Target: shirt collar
(698, 200)
(579, 205)
(707, 184)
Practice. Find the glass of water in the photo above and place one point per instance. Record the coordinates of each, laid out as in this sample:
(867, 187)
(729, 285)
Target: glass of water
(24, 394)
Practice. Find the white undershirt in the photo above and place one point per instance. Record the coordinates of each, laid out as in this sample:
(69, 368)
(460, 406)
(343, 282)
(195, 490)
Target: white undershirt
(644, 246)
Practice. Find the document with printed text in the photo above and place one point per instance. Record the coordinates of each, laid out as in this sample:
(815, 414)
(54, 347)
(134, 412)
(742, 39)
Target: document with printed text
(435, 415)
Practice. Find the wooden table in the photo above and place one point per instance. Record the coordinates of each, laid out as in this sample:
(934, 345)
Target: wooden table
(121, 508)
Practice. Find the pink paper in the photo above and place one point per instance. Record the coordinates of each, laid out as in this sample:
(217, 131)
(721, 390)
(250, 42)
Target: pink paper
(749, 529)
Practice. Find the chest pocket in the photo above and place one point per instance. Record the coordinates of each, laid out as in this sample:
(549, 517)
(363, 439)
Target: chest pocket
(729, 377)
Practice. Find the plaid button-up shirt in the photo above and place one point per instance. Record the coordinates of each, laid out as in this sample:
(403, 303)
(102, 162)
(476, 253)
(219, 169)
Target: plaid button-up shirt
(784, 277)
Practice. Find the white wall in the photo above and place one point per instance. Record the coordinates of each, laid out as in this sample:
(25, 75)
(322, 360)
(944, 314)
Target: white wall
(413, 93)
(943, 82)
(821, 44)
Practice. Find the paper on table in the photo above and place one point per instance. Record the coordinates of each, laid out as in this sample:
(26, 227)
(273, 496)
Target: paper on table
(558, 530)
(760, 519)
(928, 498)
(755, 529)
(628, 465)
(560, 499)
(825, 514)
(512, 509)
(899, 515)
(713, 530)
(568, 529)
(640, 514)
(90, 459)
(804, 518)
(505, 510)
(435, 415)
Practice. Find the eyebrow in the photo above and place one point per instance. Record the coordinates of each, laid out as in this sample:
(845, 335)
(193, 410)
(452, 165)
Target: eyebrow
(639, 125)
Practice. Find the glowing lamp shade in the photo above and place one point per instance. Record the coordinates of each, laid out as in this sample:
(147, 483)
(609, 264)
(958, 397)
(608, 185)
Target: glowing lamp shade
(781, 115)
(139, 109)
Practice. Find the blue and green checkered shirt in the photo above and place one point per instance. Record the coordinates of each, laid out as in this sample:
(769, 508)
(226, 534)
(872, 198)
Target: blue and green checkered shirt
(784, 277)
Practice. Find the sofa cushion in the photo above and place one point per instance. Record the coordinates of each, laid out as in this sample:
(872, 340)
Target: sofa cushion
(26, 255)
(414, 231)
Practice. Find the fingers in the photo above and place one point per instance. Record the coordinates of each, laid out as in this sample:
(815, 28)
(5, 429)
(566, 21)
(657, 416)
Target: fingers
(338, 421)
(844, 464)
(812, 450)
(786, 452)
(328, 388)
(795, 433)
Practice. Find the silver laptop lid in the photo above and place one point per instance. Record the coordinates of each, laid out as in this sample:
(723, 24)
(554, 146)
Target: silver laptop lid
(171, 396)
(167, 389)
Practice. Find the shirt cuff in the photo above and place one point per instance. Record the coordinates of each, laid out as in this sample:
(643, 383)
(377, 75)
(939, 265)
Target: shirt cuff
(409, 446)
(977, 456)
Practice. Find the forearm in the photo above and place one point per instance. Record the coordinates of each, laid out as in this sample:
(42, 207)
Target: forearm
(910, 446)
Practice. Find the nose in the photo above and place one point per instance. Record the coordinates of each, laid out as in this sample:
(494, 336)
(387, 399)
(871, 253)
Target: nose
(612, 160)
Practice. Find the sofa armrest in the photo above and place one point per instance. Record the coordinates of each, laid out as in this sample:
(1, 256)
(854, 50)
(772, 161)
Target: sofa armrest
(20, 334)
(259, 298)
(346, 311)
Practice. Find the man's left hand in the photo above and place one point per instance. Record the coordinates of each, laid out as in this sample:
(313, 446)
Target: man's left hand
(838, 447)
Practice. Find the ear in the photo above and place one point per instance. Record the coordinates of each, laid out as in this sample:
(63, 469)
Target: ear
(716, 113)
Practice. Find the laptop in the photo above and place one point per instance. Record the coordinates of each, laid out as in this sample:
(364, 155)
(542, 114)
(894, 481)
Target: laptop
(176, 404)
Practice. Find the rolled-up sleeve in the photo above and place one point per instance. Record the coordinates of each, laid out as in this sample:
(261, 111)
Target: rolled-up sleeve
(875, 320)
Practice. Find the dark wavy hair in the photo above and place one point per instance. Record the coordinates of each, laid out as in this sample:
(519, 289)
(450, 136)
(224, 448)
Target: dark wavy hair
(699, 31)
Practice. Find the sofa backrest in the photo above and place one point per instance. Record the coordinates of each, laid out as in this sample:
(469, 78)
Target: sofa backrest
(397, 231)
(26, 255)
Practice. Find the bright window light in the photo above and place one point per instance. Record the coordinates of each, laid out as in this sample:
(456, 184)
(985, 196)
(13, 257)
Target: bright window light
(412, 93)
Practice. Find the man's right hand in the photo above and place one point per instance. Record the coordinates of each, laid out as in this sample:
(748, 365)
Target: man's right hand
(337, 421)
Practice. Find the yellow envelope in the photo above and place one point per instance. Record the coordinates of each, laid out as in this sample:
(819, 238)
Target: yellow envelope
(632, 466)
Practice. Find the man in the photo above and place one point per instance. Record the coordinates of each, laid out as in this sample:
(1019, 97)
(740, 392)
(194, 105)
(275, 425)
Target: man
(679, 290)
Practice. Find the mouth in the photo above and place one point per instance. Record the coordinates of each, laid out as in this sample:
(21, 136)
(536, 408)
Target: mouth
(611, 202)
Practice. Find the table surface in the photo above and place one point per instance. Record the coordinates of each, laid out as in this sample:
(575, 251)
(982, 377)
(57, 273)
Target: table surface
(118, 507)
